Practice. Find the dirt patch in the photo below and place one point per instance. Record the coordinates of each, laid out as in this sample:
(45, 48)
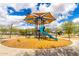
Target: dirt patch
(33, 43)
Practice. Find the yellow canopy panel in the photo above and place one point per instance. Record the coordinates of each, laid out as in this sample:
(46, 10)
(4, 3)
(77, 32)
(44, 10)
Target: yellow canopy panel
(45, 16)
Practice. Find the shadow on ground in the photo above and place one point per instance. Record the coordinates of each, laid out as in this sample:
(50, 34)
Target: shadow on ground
(64, 51)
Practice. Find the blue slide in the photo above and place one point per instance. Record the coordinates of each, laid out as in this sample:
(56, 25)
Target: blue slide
(45, 33)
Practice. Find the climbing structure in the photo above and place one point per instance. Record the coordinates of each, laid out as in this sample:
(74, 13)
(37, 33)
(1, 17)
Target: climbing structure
(39, 19)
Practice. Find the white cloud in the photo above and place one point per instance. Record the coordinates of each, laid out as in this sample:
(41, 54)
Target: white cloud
(6, 19)
(22, 25)
(63, 9)
(76, 20)
(25, 27)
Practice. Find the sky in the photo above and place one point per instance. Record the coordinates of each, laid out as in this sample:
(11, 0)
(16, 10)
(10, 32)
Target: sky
(14, 13)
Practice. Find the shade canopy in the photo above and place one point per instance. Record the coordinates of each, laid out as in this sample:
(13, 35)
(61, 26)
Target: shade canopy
(38, 18)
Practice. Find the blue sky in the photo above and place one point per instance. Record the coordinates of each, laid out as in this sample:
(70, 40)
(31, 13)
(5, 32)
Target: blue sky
(74, 14)
(16, 12)
(38, 5)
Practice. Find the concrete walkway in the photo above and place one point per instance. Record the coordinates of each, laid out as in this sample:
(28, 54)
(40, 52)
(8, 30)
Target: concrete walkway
(7, 51)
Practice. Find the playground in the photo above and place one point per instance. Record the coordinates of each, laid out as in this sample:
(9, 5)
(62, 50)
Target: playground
(41, 39)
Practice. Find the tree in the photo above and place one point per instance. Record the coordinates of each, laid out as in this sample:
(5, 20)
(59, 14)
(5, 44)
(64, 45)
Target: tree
(76, 29)
(48, 30)
(3, 31)
(68, 28)
(11, 25)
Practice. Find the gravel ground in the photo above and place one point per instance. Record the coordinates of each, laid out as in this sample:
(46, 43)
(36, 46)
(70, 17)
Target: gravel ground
(65, 51)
